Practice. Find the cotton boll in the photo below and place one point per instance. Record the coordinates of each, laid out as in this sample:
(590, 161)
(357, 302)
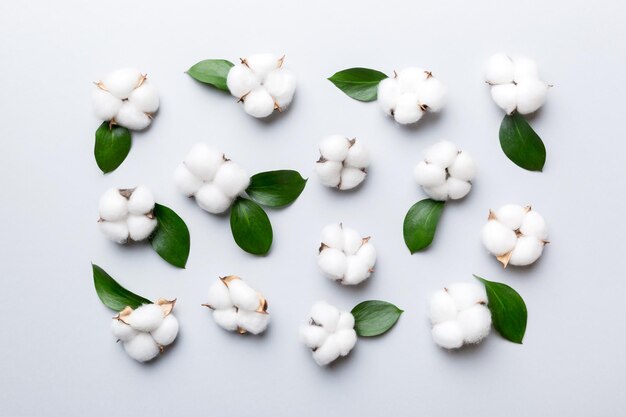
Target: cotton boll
(358, 156)
(457, 188)
(231, 179)
(140, 227)
(334, 148)
(219, 296)
(511, 215)
(346, 339)
(346, 321)
(475, 323)
(332, 236)
(281, 84)
(113, 206)
(258, 103)
(131, 117)
(142, 347)
(253, 321)
(367, 254)
(329, 172)
(527, 250)
(243, 296)
(333, 263)
(410, 79)
(166, 333)
(226, 319)
(531, 95)
(463, 167)
(122, 331)
(432, 94)
(497, 238)
(466, 294)
(210, 198)
(524, 68)
(313, 336)
(203, 161)
(241, 80)
(328, 352)
(499, 69)
(439, 192)
(407, 110)
(442, 154)
(116, 231)
(442, 307)
(145, 98)
(122, 82)
(105, 104)
(141, 201)
(534, 225)
(388, 93)
(185, 181)
(505, 96)
(357, 271)
(448, 335)
(352, 241)
(146, 318)
(262, 64)
(429, 175)
(325, 315)
(351, 178)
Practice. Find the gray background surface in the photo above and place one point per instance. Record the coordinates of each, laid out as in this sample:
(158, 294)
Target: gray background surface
(57, 356)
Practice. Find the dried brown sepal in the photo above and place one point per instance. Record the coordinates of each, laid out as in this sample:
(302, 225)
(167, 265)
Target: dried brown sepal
(124, 314)
(126, 192)
(228, 279)
(241, 330)
(504, 259)
(208, 306)
(142, 79)
(166, 305)
(492, 215)
(351, 142)
(281, 61)
(322, 247)
(262, 305)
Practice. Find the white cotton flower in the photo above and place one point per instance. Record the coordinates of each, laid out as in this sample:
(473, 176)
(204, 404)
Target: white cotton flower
(237, 307)
(213, 180)
(166, 333)
(329, 333)
(459, 315)
(126, 98)
(516, 235)
(122, 331)
(343, 162)
(446, 172)
(262, 83)
(142, 347)
(411, 92)
(345, 256)
(515, 84)
(127, 214)
(146, 318)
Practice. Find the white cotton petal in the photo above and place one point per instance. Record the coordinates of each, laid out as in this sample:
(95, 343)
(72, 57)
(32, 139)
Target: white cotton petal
(475, 323)
(226, 318)
(145, 97)
(346, 321)
(203, 161)
(253, 321)
(210, 198)
(499, 69)
(219, 296)
(346, 339)
(313, 336)
(141, 200)
(281, 84)
(410, 79)
(367, 254)
(358, 156)
(429, 175)
(439, 192)
(527, 250)
(140, 226)
(467, 294)
(185, 181)
(457, 188)
(122, 331)
(325, 315)
(332, 236)
(463, 167)
(497, 238)
(231, 179)
(357, 271)
(241, 80)
(146, 318)
(333, 263)
(131, 117)
(142, 347)
(352, 240)
(329, 172)
(117, 231)
(258, 103)
(243, 296)
(122, 82)
(328, 352)
(166, 333)
(441, 307)
(351, 178)
(534, 224)
(432, 94)
(407, 110)
(334, 148)
(505, 96)
(524, 68)
(388, 93)
(442, 153)
(511, 215)
(531, 95)
(105, 104)
(262, 64)
(448, 335)
(112, 205)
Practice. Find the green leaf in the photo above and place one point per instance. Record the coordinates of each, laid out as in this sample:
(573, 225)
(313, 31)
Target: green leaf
(251, 227)
(508, 310)
(112, 294)
(420, 224)
(171, 238)
(112, 146)
(359, 83)
(374, 317)
(276, 188)
(212, 71)
(521, 144)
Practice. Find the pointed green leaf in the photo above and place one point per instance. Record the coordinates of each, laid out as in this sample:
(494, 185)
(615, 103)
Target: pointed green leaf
(374, 317)
(521, 144)
(112, 294)
(212, 72)
(359, 83)
(276, 188)
(508, 310)
(420, 224)
(112, 146)
(251, 227)
(171, 238)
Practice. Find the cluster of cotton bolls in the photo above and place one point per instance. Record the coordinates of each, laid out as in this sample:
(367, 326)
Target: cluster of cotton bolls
(516, 235)
(126, 214)
(262, 83)
(410, 93)
(446, 172)
(343, 162)
(126, 98)
(211, 178)
(515, 84)
(345, 256)
(146, 330)
(459, 315)
(330, 333)
(237, 307)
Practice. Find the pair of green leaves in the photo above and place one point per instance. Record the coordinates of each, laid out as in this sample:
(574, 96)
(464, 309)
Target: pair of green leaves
(249, 223)
(359, 83)
(374, 317)
(171, 238)
(212, 72)
(420, 224)
(112, 294)
(112, 146)
(521, 144)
